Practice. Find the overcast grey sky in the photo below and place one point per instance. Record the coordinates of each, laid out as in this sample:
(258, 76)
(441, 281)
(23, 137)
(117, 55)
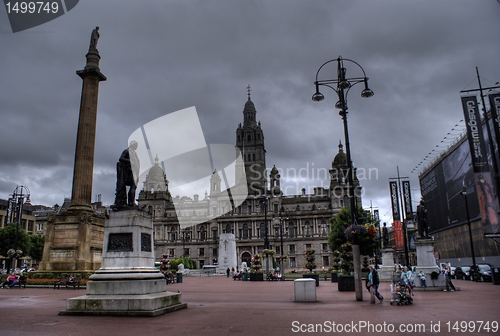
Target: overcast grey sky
(164, 56)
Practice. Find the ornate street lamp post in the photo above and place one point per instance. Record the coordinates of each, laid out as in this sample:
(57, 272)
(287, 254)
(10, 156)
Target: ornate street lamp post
(342, 85)
(474, 267)
(16, 203)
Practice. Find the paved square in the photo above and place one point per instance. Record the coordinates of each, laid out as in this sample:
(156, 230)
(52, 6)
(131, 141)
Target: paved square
(219, 305)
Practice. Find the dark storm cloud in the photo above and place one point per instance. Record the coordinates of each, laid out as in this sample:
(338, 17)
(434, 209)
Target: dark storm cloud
(163, 56)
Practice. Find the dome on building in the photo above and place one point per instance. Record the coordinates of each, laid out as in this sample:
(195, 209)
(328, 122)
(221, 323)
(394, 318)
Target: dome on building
(341, 158)
(249, 106)
(155, 179)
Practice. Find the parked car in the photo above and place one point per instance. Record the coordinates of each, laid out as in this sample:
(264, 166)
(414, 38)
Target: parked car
(481, 273)
(462, 273)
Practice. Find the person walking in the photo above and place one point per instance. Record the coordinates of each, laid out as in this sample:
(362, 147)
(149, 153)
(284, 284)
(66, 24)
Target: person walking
(373, 282)
(228, 271)
(397, 274)
(447, 274)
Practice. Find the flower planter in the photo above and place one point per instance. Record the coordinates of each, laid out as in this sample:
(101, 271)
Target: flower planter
(346, 283)
(314, 276)
(256, 276)
(335, 276)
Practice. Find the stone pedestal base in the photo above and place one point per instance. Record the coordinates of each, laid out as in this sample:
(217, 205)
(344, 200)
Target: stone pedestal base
(73, 241)
(125, 305)
(387, 270)
(127, 284)
(426, 262)
(305, 290)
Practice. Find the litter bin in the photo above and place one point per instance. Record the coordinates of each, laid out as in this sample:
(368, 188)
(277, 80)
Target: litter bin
(495, 275)
(245, 276)
(179, 277)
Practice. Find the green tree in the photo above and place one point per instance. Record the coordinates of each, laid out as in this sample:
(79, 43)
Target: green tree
(8, 238)
(338, 225)
(37, 242)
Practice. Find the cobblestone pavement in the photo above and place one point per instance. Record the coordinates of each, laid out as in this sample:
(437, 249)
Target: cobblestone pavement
(219, 305)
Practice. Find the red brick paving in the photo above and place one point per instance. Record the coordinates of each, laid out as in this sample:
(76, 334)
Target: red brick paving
(219, 305)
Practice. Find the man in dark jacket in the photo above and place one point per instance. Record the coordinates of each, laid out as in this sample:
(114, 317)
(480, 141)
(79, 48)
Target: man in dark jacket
(373, 281)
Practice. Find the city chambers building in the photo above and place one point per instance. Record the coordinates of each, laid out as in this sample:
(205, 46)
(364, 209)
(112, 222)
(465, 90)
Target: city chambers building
(294, 222)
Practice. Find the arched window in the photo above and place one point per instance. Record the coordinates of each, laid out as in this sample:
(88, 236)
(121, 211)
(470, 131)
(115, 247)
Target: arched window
(324, 228)
(203, 233)
(173, 234)
(307, 229)
(229, 228)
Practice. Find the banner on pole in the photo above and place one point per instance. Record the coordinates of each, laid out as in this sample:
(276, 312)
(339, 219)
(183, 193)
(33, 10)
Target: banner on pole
(396, 216)
(482, 176)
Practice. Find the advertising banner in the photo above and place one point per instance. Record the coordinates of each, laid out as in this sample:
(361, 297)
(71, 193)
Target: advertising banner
(396, 216)
(495, 115)
(482, 177)
(407, 204)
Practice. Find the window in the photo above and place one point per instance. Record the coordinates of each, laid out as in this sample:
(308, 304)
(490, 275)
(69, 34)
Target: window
(291, 230)
(172, 234)
(262, 230)
(214, 233)
(203, 233)
(202, 252)
(245, 231)
(292, 262)
(171, 253)
(308, 246)
(39, 227)
(326, 261)
(186, 252)
(324, 228)
(307, 229)
(292, 249)
(324, 247)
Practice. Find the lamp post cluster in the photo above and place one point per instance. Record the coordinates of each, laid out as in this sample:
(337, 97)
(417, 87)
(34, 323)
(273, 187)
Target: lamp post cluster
(20, 196)
(342, 85)
(282, 215)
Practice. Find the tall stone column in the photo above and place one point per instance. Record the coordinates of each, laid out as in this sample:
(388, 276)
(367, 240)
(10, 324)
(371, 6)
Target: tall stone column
(81, 196)
(74, 238)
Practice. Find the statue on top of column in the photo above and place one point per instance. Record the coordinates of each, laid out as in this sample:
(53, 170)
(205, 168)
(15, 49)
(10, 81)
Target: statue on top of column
(94, 37)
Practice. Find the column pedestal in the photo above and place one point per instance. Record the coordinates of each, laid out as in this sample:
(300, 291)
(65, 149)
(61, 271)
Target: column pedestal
(127, 284)
(426, 262)
(387, 270)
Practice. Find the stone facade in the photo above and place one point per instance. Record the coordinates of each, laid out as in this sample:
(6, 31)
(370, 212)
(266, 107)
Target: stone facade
(295, 222)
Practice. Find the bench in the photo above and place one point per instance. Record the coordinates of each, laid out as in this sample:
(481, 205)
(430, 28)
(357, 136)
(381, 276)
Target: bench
(21, 282)
(65, 281)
